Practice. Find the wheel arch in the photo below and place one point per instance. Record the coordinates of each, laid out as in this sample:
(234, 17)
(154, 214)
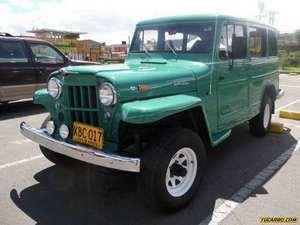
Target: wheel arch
(193, 118)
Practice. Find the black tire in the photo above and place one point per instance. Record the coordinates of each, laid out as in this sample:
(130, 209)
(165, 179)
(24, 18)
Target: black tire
(155, 163)
(257, 126)
(54, 157)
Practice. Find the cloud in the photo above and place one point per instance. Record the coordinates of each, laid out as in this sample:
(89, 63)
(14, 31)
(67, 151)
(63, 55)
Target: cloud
(113, 20)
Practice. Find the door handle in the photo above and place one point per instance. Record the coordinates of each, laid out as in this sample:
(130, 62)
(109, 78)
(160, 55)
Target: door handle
(16, 71)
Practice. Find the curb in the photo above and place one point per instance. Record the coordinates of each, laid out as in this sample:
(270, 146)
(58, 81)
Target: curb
(276, 127)
(287, 72)
(289, 114)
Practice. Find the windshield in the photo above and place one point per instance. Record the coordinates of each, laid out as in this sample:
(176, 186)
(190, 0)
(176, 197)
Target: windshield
(189, 38)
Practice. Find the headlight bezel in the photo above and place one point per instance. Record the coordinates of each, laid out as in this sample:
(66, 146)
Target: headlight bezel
(113, 101)
(50, 127)
(64, 131)
(58, 84)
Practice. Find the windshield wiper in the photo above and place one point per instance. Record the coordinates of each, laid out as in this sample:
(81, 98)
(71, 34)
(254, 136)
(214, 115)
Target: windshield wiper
(172, 49)
(146, 50)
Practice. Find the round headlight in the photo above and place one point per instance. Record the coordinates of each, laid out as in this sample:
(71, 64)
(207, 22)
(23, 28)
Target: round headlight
(50, 127)
(64, 131)
(54, 87)
(107, 94)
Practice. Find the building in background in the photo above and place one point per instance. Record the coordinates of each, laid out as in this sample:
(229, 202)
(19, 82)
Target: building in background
(69, 43)
(287, 39)
(118, 51)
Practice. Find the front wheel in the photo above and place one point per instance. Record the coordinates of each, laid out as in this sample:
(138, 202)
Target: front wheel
(172, 168)
(260, 125)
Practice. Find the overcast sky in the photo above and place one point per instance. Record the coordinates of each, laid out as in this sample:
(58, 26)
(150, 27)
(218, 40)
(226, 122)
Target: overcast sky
(112, 21)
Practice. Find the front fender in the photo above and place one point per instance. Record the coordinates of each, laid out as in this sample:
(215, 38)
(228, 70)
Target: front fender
(42, 97)
(151, 110)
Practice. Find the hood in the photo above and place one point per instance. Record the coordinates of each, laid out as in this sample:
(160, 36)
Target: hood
(160, 77)
(81, 62)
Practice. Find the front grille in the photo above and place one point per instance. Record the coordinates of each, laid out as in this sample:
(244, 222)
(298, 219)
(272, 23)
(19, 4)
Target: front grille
(82, 104)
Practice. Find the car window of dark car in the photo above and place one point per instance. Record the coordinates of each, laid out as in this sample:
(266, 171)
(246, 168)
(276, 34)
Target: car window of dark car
(12, 52)
(45, 54)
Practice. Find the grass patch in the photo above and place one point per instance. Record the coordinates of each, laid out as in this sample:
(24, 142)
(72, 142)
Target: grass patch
(290, 70)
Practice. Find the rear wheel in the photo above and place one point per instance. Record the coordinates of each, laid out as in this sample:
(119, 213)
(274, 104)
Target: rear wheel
(260, 125)
(172, 168)
(52, 156)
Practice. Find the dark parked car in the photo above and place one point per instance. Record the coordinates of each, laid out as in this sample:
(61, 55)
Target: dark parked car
(25, 64)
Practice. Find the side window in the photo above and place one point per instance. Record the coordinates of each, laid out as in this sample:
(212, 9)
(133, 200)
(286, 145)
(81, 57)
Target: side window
(233, 35)
(12, 52)
(230, 32)
(223, 52)
(258, 42)
(272, 40)
(45, 54)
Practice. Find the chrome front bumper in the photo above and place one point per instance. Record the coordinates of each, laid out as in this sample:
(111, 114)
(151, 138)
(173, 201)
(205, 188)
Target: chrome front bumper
(80, 152)
(280, 93)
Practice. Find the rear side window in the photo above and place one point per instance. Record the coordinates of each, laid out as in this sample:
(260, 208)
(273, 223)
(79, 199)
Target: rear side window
(258, 42)
(45, 54)
(272, 39)
(12, 52)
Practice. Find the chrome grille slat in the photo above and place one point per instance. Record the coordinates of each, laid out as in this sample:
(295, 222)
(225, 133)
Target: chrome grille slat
(82, 104)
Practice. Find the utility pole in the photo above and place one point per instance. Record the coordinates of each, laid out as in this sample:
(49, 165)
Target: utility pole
(272, 15)
(261, 10)
(264, 15)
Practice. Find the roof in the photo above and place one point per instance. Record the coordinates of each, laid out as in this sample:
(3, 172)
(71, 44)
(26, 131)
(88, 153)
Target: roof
(40, 31)
(16, 38)
(193, 18)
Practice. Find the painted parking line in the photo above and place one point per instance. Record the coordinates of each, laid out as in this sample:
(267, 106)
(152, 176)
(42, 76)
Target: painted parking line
(287, 105)
(7, 165)
(241, 195)
(290, 86)
(291, 125)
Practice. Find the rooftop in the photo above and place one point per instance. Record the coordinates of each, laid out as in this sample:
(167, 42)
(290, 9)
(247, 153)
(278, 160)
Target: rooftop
(193, 18)
(53, 31)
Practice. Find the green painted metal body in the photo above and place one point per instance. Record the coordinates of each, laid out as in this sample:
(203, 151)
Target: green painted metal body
(175, 84)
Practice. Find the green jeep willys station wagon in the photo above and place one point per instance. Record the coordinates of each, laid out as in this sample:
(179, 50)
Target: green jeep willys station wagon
(186, 82)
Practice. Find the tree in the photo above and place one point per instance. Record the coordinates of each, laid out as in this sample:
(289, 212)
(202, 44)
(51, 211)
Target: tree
(297, 35)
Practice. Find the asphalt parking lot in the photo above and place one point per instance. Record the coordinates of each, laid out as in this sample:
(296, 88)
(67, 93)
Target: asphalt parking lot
(34, 191)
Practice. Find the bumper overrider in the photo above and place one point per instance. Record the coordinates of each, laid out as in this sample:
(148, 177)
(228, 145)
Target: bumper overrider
(80, 152)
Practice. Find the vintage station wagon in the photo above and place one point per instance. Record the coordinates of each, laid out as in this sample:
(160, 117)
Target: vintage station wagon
(187, 81)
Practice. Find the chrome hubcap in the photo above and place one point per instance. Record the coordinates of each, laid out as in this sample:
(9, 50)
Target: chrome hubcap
(266, 116)
(181, 172)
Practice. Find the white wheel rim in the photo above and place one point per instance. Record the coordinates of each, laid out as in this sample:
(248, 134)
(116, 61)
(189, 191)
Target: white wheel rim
(181, 172)
(266, 116)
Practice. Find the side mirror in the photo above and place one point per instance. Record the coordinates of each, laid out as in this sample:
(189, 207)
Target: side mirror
(239, 47)
(67, 60)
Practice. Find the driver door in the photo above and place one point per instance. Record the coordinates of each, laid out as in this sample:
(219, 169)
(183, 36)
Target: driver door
(46, 59)
(232, 78)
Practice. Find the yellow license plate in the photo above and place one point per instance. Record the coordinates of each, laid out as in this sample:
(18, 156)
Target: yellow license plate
(88, 135)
